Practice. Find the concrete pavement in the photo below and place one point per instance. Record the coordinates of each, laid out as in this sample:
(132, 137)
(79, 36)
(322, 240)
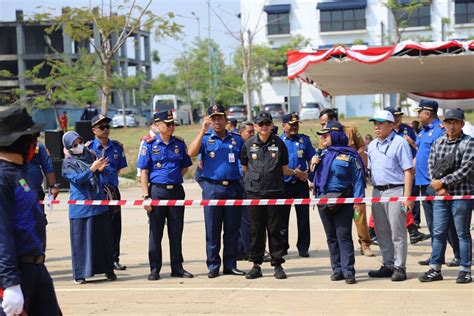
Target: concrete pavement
(308, 289)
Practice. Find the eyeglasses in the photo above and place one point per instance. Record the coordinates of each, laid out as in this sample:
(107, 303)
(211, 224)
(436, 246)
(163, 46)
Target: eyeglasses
(103, 127)
(264, 124)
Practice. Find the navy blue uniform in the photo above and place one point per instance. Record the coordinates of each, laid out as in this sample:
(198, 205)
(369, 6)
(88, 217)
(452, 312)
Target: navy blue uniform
(114, 151)
(221, 180)
(300, 151)
(40, 165)
(22, 239)
(165, 163)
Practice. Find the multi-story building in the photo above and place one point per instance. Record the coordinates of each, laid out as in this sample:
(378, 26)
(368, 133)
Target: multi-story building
(25, 44)
(326, 23)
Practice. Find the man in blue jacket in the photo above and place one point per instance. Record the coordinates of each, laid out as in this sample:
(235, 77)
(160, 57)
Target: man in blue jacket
(25, 284)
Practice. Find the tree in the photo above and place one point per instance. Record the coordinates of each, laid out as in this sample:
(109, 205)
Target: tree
(113, 25)
(401, 12)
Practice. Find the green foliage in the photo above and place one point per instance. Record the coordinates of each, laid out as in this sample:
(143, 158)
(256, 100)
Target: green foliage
(402, 12)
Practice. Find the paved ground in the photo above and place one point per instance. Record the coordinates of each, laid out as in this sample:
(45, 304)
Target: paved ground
(307, 290)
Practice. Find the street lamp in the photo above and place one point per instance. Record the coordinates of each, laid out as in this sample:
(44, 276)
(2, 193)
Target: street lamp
(199, 25)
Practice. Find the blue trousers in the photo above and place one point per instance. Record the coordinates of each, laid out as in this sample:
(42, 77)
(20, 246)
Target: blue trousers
(458, 212)
(174, 217)
(297, 190)
(38, 291)
(218, 218)
(338, 228)
(428, 208)
(244, 233)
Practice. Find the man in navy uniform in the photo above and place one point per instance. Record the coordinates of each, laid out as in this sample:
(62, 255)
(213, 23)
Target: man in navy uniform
(25, 284)
(220, 155)
(89, 112)
(163, 161)
(300, 152)
(112, 150)
(431, 130)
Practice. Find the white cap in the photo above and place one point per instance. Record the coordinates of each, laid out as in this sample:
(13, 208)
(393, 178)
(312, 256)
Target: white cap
(382, 116)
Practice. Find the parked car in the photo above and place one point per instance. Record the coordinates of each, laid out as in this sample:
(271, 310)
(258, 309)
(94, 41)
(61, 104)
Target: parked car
(275, 109)
(132, 118)
(238, 112)
(310, 111)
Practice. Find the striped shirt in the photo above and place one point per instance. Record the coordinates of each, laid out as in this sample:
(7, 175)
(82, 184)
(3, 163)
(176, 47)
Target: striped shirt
(460, 182)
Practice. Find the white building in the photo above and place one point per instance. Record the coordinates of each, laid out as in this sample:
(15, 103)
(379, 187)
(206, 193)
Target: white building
(329, 22)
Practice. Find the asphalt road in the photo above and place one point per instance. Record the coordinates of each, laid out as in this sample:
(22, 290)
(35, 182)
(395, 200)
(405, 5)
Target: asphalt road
(308, 289)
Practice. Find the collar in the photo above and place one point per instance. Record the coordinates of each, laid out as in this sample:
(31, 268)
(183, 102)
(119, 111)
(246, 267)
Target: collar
(388, 139)
(159, 140)
(453, 141)
(269, 140)
(214, 135)
(284, 137)
(432, 124)
(98, 144)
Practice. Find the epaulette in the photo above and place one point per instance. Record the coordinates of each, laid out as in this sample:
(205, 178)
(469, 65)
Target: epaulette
(88, 143)
(118, 143)
(441, 125)
(151, 140)
(146, 137)
(179, 138)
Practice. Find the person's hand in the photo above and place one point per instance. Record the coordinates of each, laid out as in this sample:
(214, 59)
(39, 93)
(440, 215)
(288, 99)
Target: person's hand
(408, 205)
(13, 300)
(105, 164)
(302, 175)
(436, 185)
(54, 192)
(206, 123)
(96, 164)
(442, 192)
(311, 186)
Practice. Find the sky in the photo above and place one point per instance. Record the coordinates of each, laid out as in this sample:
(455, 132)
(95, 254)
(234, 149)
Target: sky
(168, 48)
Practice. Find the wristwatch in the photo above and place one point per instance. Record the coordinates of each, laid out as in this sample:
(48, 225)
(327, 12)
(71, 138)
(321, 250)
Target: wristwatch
(294, 172)
(56, 185)
(145, 197)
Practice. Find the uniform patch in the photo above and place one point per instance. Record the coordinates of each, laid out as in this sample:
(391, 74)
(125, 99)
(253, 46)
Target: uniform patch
(143, 151)
(343, 157)
(254, 156)
(211, 141)
(176, 150)
(273, 148)
(212, 154)
(300, 153)
(158, 165)
(24, 185)
(253, 149)
(116, 156)
(301, 140)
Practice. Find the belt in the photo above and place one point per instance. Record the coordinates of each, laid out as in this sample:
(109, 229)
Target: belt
(387, 187)
(220, 182)
(166, 186)
(32, 259)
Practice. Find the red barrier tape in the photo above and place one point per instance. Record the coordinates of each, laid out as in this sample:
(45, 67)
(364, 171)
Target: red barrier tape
(255, 202)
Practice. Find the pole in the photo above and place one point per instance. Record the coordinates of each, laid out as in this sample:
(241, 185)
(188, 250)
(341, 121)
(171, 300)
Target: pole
(199, 24)
(211, 86)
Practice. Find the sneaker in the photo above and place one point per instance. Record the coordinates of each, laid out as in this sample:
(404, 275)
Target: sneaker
(383, 272)
(337, 276)
(464, 277)
(279, 273)
(399, 274)
(80, 281)
(254, 273)
(431, 275)
(454, 263)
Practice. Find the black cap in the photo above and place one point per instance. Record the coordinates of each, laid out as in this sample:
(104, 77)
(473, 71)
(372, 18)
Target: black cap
(216, 110)
(454, 114)
(14, 123)
(394, 110)
(263, 117)
(332, 125)
(99, 118)
(163, 116)
(429, 105)
(232, 121)
(290, 118)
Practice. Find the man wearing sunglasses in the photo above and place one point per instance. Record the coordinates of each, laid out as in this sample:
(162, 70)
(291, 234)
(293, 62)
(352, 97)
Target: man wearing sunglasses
(219, 151)
(391, 165)
(300, 152)
(106, 148)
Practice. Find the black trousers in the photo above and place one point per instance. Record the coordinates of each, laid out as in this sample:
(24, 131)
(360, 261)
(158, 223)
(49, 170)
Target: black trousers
(266, 219)
(174, 217)
(116, 229)
(297, 190)
(38, 291)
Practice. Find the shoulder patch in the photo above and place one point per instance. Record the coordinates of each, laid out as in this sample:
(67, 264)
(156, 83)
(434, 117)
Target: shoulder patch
(118, 143)
(343, 157)
(150, 140)
(179, 138)
(441, 125)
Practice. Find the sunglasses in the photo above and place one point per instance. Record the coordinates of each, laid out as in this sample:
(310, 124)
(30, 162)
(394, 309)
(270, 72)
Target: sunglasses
(103, 127)
(264, 124)
(325, 135)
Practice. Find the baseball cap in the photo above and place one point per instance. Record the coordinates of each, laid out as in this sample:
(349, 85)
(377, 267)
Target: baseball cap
(382, 116)
(290, 118)
(394, 110)
(429, 105)
(454, 114)
(163, 116)
(263, 117)
(332, 125)
(99, 118)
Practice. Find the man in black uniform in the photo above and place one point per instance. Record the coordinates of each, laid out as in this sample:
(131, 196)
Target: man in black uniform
(25, 284)
(264, 159)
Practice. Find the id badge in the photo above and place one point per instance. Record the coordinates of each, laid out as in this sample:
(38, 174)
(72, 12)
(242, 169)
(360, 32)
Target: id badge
(231, 157)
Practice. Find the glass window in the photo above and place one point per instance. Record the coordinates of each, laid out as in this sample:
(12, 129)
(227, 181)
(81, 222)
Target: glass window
(278, 23)
(419, 17)
(464, 12)
(342, 20)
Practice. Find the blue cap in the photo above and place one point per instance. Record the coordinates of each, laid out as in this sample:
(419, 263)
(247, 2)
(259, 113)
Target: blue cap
(99, 118)
(216, 110)
(332, 125)
(163, 116)
(263, 117)
(290, 118)
(394, 110)
(429, 105)
(454, 114)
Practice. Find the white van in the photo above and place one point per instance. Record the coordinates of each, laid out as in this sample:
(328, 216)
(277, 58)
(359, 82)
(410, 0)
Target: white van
(181, 111)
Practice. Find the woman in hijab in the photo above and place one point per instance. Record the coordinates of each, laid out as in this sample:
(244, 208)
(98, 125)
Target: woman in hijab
(89, 225)
(339, 173)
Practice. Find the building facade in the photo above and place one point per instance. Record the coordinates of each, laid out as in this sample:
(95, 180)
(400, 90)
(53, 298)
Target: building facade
(24, 44)
(326, 23)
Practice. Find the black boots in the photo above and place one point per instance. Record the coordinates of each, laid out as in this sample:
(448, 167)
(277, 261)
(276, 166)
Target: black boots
(415, 235)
